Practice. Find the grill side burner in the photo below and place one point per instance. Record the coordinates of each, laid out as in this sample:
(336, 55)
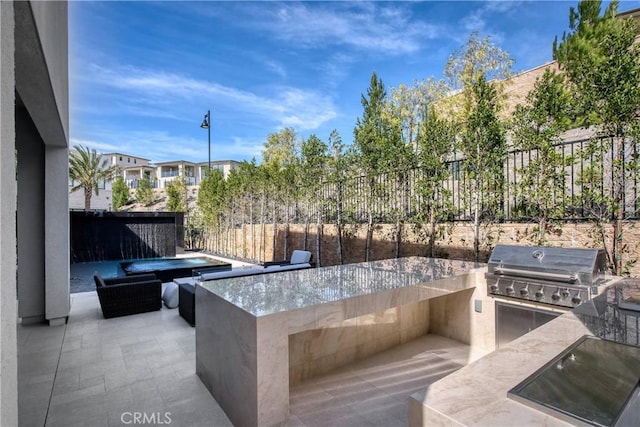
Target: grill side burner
(556, 276)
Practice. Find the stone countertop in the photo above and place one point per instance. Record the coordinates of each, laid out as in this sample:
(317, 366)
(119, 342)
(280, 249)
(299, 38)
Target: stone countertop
(410, 279)
(477, 393)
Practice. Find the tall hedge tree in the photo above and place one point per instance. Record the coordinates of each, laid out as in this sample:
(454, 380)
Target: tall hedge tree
(337, 175)
(435, 143)
(479, 71)
(483, 145)
(280, 165)
(379, 149)
(313, 162)
(537, 128)
(601, 60)
(211, 202)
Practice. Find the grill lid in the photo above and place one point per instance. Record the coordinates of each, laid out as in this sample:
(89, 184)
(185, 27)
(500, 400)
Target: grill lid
(566, 265)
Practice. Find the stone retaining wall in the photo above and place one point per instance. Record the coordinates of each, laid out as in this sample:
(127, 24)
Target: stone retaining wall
(456, 241)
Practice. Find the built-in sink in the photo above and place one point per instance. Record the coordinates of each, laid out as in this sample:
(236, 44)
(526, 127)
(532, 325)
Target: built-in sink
(593, 382)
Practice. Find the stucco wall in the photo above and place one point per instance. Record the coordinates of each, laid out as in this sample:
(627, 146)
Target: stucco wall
(8, 309)
(101, 201)
(42, 86)
(42, 76)
(30, 220)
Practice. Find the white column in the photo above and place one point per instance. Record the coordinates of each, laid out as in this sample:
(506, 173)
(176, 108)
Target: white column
(8, 192)
(56, 203)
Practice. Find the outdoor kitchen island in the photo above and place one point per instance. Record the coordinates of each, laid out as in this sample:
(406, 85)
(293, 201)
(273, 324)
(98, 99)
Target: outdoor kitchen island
(572, 385)
(256, 334)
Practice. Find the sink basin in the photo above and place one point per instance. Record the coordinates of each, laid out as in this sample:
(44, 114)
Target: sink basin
(593, 382)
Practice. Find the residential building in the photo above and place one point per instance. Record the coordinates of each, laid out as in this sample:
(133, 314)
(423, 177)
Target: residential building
(167, 172)
(132, 169)
(225, 166)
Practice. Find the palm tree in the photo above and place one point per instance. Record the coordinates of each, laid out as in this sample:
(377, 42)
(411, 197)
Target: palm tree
(86, 168)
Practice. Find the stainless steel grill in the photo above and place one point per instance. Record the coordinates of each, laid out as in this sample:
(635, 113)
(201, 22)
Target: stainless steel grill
(556, 276)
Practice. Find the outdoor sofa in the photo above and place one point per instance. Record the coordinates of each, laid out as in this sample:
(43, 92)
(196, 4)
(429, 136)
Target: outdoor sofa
(122, 296)
(187, 292)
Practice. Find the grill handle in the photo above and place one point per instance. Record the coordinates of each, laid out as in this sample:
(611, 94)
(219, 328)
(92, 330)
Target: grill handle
(569, 278)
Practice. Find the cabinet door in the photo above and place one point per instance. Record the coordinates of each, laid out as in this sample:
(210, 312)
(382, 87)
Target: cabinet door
(513, 321)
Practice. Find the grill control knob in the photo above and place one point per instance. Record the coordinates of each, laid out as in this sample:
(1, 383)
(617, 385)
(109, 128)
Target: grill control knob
(565, 293)
(556, 295)
(524, 292)
(540, 293)
(493, 289)
(509, 290)
(576, 299)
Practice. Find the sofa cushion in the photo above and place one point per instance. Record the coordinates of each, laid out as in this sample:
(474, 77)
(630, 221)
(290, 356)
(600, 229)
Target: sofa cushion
(238, 272)
(170, 295)
(276, 268)
(300, 257)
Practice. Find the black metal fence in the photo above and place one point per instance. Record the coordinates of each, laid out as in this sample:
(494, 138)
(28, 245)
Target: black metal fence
(397, 196)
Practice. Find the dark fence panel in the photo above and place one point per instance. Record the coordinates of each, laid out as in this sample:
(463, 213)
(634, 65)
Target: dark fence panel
(104, 235)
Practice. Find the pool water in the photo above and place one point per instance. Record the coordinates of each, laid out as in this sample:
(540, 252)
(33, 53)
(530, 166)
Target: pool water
(81, 277)
(148, 265)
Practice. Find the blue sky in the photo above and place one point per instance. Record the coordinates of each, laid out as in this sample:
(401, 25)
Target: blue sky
(143, 74)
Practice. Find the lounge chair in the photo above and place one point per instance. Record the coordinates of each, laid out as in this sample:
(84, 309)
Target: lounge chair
(297, 257)
(122, 296)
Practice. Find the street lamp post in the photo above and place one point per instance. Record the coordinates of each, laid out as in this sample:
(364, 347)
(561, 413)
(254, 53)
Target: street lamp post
(206, 124)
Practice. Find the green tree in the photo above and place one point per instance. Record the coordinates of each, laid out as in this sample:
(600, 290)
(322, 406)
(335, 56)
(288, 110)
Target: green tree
(337, 175)
(479, 71)
(211, 198)
(378, 149)
(177, 195)
(407, 103)
(119, 193)
(602, 63)
(435, 143)
(87, 169)
(248, 173)
(313, 161)
(280, 148)
(144, 192)
(537, 129)
(483, 145)
(478, 58)
(280, 166)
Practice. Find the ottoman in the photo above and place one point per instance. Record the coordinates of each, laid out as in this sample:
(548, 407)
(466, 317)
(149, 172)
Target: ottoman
(187, 302)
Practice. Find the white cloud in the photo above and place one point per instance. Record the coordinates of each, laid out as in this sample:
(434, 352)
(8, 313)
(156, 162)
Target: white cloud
(276, 67)
(502, 6)
(157, 93)
(101, 147)
(475, 21)
(369, 26)
(481, 19)
(161, 146)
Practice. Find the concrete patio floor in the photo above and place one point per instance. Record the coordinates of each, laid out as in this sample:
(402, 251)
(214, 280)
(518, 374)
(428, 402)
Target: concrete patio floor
(104, 372)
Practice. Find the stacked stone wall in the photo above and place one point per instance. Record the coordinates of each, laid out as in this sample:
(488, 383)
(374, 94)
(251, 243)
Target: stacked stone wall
(456, 241)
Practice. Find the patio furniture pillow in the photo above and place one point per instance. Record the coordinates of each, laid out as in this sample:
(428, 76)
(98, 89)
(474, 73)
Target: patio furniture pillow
(300, 257)
(170, 295)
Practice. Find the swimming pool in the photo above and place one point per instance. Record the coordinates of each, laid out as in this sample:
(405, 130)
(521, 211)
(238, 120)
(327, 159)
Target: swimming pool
(81, 279)
(167, 269)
